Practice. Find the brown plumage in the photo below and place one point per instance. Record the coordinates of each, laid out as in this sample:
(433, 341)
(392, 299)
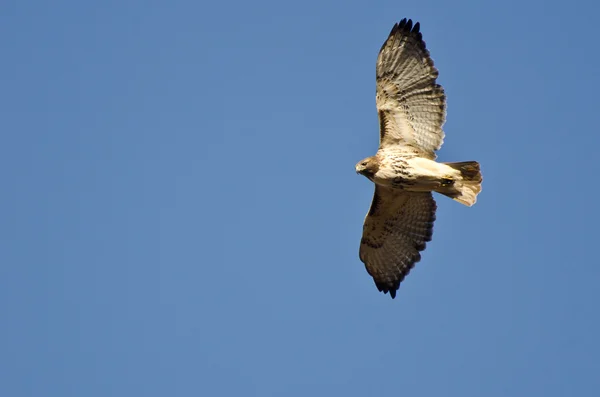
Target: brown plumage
(412, 109)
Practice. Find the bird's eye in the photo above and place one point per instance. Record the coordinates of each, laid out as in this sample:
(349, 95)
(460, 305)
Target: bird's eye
(364, 163)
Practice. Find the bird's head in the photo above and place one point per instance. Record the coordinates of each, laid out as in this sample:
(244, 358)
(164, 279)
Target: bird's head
(368, 167)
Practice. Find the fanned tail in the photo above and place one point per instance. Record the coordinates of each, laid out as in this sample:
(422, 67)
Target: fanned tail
(465, 188)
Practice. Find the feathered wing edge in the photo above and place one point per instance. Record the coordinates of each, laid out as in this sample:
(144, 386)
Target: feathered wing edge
(411, 105)
(395, 231)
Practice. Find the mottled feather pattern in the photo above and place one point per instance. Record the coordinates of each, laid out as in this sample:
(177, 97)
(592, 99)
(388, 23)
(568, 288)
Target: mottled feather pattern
(412, 110)
(412, 106)
(396, 229)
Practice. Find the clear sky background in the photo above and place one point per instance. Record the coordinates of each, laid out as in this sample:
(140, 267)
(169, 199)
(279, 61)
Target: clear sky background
(181, 217)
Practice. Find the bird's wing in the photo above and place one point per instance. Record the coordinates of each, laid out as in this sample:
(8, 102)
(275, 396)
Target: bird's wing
(398, 225)
(411, 105)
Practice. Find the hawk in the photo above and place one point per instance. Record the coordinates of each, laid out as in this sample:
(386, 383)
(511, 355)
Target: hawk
(412, 110)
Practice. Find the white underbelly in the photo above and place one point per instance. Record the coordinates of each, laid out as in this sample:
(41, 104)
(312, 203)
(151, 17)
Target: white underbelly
(425, 168)
(416, 174)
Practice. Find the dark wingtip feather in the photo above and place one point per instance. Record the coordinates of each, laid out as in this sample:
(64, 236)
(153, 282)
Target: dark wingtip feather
(388, 287)
(406, 26)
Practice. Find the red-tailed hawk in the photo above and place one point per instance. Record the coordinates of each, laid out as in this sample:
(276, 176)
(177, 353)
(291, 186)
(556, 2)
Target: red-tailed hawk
(412, 110)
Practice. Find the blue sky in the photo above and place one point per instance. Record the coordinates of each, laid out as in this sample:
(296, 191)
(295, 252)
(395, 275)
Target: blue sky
(181, 217)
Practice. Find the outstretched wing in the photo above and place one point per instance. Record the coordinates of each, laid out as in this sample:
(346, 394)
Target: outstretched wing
(396, 229)
(411, 105)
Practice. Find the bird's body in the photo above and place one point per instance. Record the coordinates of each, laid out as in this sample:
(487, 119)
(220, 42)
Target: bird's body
(412, 110)
(410, 172)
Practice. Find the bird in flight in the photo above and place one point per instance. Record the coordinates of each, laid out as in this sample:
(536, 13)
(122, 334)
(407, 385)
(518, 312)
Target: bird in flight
(412, 110)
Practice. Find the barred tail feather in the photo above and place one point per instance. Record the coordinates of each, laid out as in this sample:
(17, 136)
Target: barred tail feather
(465, 188)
